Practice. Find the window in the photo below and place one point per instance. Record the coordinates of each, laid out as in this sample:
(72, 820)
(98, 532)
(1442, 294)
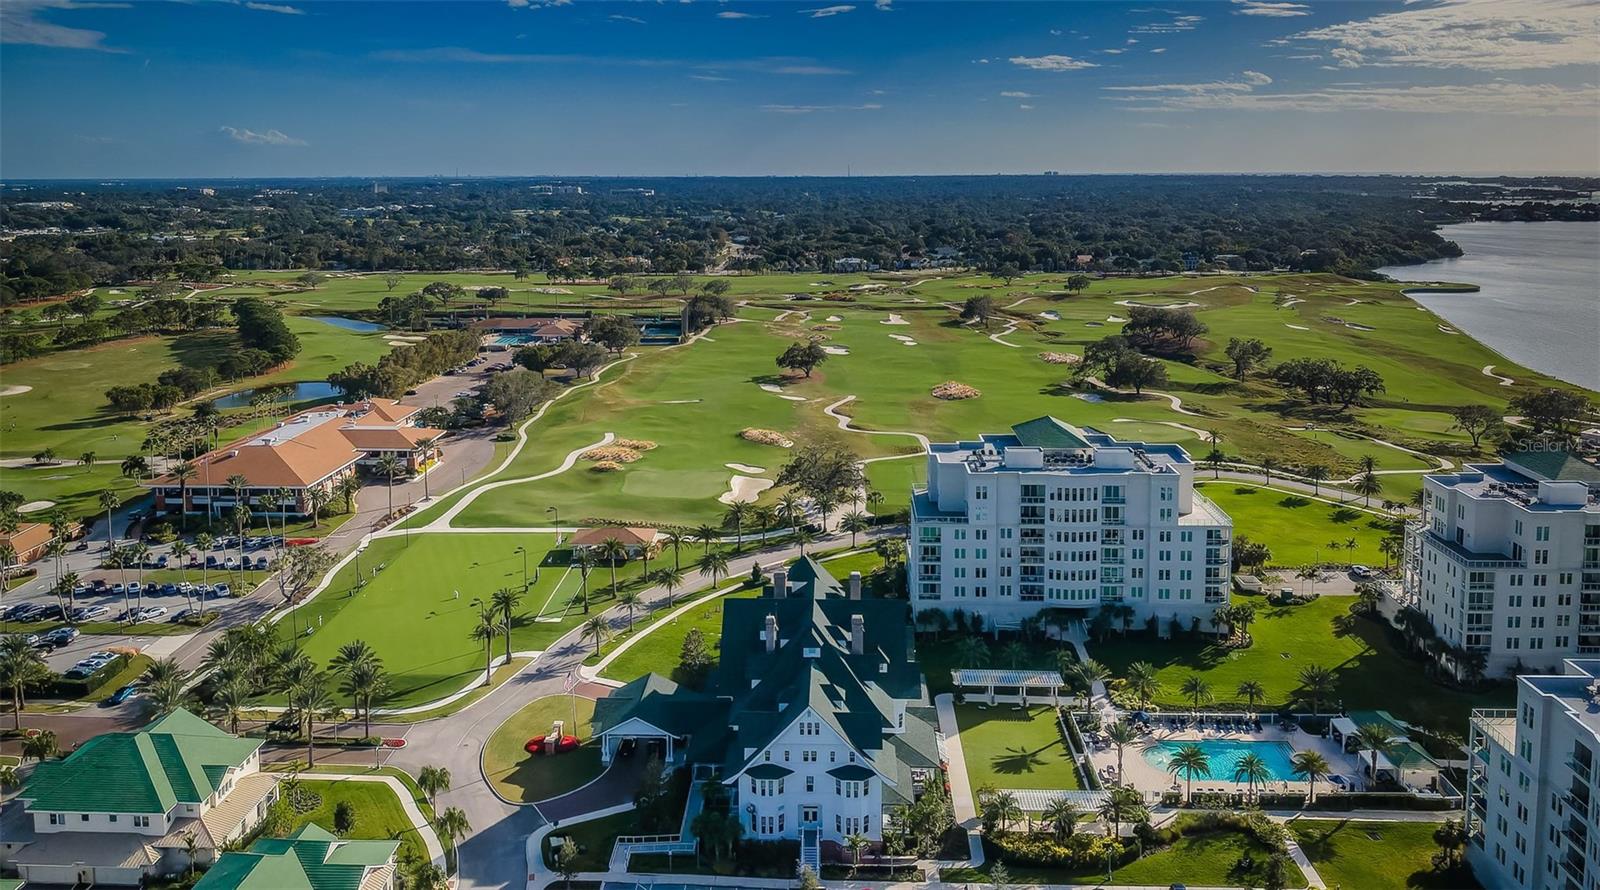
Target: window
(57, 819)
(808, 756)
(811, 784)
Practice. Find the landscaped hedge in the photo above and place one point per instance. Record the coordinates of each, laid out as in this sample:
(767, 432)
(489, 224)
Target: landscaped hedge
(1044, 851)
(1080, 759)
(1380, 800)
(61, 687)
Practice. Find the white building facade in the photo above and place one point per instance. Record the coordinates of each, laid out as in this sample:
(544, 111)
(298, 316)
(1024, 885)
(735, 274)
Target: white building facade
(1050, 516)
(1505, 560)
(1533, 800)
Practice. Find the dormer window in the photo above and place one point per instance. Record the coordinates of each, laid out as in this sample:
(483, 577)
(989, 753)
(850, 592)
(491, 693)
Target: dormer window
(811, 652)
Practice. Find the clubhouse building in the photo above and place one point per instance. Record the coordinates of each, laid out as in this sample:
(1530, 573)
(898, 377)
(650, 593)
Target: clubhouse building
(312, 450)
(123, 806)
(1049, 516)
(817, 719)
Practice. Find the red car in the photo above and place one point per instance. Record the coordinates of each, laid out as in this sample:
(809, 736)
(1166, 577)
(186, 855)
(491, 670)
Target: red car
(537, 745)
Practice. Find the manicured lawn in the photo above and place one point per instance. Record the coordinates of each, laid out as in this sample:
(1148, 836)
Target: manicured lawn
(519, 776)
(1196, 860)
(1298, 529)
(378, 812)
(1368, 671)
(1007, 748)
(1377, 855)
(595, 839)
(939, 656)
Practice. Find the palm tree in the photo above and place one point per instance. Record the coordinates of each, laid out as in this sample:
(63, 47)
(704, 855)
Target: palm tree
(791, 510)
(676, 539)
(706, 535)
(108, 502)
(803, 536)
(1316, 682)
(183, 471)
(1251, 769)
(715, 565)
(629, 599)
(134, 466)
(1268, 464)
(20, 667)
(854, 523)
(1143, 682)
(1061, 816)
(1122, 804)
(390, 466)
(1376, 738)
(485, 631)
(1191, 760)
(139, 553)
(737, 513)
(426, 446)
(452, 826)
(165, 694)
(972, 652)
(268, 501)
(855, 843)
(230, 701)
(346, 490)
(598, 630)
(433, 780)
(1307, 573)
(1196, 689)
(874, 497)
(585, 563)
(1000, 809)
(1122, 734)
(1083, 677)
(41, 747)
(317, 498)
(612, 550)
(366, 684)
(1013, 654)
(670, 579)
(1313, 766)
(1251, 691)
(202, 544)
(308, 700)
(1316, 473)
(505, 601)
(1368, 485)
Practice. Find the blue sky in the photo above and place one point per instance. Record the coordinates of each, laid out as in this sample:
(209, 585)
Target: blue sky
(177, 89)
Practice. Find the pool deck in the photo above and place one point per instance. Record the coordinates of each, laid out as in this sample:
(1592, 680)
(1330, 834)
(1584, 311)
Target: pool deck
(1145, 776)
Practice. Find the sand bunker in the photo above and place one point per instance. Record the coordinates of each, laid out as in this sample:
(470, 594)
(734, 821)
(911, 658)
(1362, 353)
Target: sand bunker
(951, 391)
(1445, 329)
(1359, 327)
(766, 437)
(681, 402)
(836, 350)
(1060, 358)
(868, 286)
(612, 454)
(1115, 319)
(550, 290)
(1290, 301)
(902, 338)
(745, 468)
(1298, 327)
(36, 506)
(1050, 314)
(894, 318)
(15, 389)
(771, 387)
(1187, 304)
(834, 318)
(744, 489)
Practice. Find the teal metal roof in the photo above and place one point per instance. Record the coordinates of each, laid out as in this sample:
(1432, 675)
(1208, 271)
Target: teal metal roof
(1047, 432)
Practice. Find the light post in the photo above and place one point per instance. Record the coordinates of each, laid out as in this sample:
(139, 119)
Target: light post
(524, 552)
(557, 513)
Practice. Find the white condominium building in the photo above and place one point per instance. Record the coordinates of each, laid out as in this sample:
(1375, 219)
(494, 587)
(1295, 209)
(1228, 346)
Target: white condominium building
(1533, 803)
(1505, 560)
(1050, 516)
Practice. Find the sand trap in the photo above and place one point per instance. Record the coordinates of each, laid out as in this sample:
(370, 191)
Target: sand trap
(550, 290)
(1094, 324)
(1445, 329)
(398, 338)
(35, 506)
(744, 489)
(1352, 303)
(1115, 319)
(1290, 301)
(952, 391)
(745, 468)
(894, 318)
(770, 387)
(835, 350)
(1488, 371)
(682, 401)
(868, 287)
(1359, 327)
(16, 389)
(1187, 304)
(1060, 358)
(116, 290)
(1298, 327)
(766, 437)
(1050, 314)
(1089, 396)
(902, 338)
(834, 318)
(792, 398)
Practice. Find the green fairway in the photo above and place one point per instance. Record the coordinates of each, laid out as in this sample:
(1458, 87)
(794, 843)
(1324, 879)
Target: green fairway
(1299, 530)
(1008, 748)
(1369, 673)
(379, 815)
(521, 777)
(1376, 855)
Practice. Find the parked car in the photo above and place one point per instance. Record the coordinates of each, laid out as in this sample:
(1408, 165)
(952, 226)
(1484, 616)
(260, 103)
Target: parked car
(123, 694)
(99, 585)
(135, 588)
(1361, 571)
(49, 613)
(222, 589)
(162, 561)
(30, 639)
(90, 613)
(80, 590)
(18, 612)
(118, 588)
(59, 637)
(169, 590)
(149, 613)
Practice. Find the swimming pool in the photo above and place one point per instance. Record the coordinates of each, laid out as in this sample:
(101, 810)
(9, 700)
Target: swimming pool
(1225, 755)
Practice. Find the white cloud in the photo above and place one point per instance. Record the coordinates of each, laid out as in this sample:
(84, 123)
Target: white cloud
(1113, 52)
(19, 23)
(1025, 107)
(709, 77)
(730, 14)
(1483, 98)
(827, 11)
(1016, 94)
(883, 5)
(811, 109)
(1491, 35)
(633, 20)
(275, 7)
(1159, 49)
(251, 137)
(1051, 63)
(536, 4)
(1255, 78)
(1175, 25)
(1266, 8)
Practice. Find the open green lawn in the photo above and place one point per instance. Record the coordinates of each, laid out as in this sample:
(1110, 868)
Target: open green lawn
(378, 812)
(1299, 529)
(518, 776)
(1007, 747)
(1376, 855)
(1197, 860)
(595, 839)
(1369, 672)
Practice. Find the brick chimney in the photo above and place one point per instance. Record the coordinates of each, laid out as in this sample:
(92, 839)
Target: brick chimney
(858, 635)
(855, 585)
(780, 583)
(770, 633)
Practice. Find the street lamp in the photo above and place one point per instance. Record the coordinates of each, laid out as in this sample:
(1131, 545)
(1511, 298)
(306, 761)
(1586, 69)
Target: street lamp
(557, 513)
(524, 552)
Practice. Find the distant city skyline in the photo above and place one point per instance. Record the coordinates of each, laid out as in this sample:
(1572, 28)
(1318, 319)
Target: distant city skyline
(293, 89)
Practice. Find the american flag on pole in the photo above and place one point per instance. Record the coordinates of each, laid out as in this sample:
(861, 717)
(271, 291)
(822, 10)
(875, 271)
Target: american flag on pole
(571, 682)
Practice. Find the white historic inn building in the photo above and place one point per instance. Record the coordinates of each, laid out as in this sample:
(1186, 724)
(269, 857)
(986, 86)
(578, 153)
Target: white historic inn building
(1048, 515)
(1505, 560)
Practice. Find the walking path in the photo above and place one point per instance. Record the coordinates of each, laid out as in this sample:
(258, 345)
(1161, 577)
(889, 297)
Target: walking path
(966, 811)
(845, 424)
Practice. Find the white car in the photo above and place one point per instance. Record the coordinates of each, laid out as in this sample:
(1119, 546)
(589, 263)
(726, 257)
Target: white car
(1361, 571)
(150, 613)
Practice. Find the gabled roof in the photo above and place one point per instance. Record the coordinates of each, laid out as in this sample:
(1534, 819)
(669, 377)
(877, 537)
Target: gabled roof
(808, 579)
(178, 759)
(310, 859)
(659, 702)
(1048, 432)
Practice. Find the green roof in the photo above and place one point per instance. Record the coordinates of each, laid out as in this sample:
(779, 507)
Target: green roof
(1047, 432)
(178, 759)
(851, 772)
(1554, 466)
(310, 859)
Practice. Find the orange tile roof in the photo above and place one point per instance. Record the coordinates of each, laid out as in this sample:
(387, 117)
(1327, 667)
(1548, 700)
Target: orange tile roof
(632, 537)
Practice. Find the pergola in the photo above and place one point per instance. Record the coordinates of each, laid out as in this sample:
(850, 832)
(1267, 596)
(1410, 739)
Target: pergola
(1022, 680)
